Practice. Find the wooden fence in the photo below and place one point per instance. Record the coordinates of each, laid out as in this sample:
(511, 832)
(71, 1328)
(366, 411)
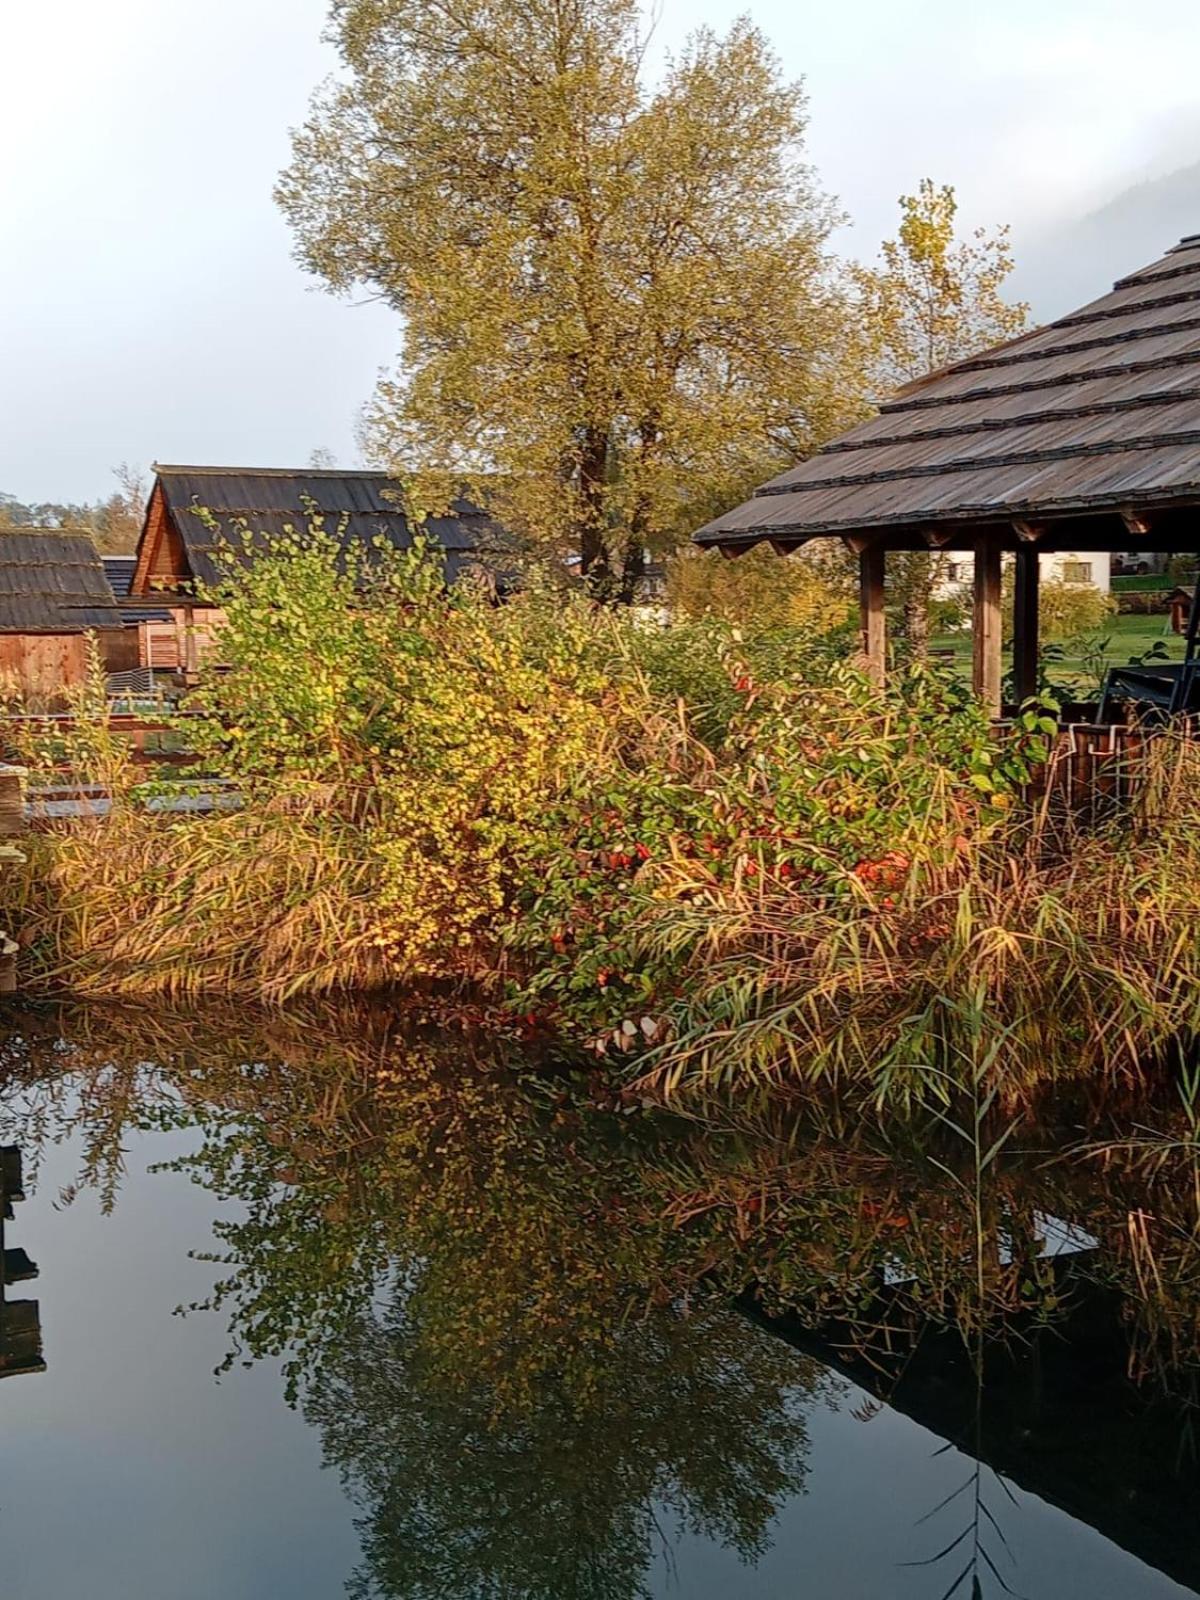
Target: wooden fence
(1093, 769)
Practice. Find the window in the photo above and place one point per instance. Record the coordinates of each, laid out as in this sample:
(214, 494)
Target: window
(1077, 571)
(959, 572)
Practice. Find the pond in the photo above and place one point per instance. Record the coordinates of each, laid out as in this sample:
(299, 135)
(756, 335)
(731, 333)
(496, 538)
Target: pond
(321, 1308)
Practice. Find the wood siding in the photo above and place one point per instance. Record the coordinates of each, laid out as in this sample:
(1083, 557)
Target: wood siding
(184, 643)
(41, 667)
(119, 649)
(162, 560)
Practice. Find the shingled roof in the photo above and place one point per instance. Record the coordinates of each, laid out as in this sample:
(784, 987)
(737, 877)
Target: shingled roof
(119, 572)
(1097, 414)
(361, 506)
(52, 581)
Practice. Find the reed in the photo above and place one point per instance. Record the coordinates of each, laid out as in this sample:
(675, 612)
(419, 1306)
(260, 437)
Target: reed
(720, 863)
(1078, 949)
(255, 904)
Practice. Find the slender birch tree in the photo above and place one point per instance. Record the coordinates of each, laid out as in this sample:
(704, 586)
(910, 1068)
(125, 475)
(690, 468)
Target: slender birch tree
(934, 299)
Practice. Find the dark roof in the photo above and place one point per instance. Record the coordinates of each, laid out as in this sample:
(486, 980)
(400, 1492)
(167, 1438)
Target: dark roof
(119, 571)
(1099, 411)
(364, 505)
(52, 581)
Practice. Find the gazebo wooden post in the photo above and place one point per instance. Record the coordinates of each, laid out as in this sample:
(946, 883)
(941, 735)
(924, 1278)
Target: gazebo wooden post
(1027, 579)
(874, 618)
(986, 634)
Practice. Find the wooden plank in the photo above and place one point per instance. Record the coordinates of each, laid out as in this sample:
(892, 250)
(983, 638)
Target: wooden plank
(18, 1268)
(1025, 621)
(12, 801)
(986, 640)
(871, 606)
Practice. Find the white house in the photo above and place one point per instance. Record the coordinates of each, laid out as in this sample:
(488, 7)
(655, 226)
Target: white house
(1067, 566)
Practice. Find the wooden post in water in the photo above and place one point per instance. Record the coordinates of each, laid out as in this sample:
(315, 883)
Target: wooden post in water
(986, 625)
(12, 824)
(1025, 621)
(874, 618)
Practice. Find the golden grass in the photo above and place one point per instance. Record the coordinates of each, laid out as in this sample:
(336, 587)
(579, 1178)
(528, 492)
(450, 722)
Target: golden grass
(258, 904)
(1079, 949)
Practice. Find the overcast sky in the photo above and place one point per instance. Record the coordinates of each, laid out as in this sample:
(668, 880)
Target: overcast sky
(149, 306)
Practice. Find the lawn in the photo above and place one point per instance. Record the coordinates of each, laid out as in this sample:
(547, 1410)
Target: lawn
(1141, 583)
(1126, 636)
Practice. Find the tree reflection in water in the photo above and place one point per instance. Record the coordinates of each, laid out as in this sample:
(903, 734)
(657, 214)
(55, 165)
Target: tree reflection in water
(686, 1421)
(502, 1293)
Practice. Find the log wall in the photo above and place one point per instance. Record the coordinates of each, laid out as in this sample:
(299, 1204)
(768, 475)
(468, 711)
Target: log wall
(40, 667)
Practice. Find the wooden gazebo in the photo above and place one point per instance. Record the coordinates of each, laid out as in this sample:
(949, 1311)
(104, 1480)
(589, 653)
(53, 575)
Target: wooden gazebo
(1082, 435)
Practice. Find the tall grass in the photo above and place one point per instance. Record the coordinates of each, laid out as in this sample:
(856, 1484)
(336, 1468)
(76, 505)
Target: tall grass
(1078, 947)
(252, 904)
(720, 863)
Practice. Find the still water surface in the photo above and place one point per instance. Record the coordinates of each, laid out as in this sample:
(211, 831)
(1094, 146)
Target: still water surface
(513, 1384)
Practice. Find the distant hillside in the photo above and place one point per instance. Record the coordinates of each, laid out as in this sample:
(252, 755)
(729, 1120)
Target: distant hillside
(1078, 260)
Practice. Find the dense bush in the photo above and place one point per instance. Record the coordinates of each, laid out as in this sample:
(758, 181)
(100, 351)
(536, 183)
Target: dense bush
(1041, 954)
(713, 854)
(812, 588)
(821, 790)
(439, 788)
(397, 747)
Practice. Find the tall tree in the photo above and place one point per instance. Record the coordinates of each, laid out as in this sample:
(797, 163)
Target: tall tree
(117, 522)
(934, 299)
(619, 312)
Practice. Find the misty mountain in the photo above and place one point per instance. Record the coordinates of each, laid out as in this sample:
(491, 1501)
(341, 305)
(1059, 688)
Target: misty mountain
(1077, 261)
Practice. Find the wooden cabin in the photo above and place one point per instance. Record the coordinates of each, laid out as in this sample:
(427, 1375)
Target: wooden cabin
(1082, 435)
(192, 510)
(145, 625)
(53, 592)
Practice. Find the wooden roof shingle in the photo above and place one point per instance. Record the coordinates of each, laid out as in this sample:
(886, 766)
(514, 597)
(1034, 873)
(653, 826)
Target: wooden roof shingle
(52, 581)
(1097, 412)
(361, 507)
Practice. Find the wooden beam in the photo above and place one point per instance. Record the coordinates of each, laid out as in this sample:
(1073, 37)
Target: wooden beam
(1192, 638)
(856, 543)
(874, 619)
(1028, 532)
(938, 538)
(13, 784)
(149, 540)
(986, 639)
(1025, 622)
(1135, 522)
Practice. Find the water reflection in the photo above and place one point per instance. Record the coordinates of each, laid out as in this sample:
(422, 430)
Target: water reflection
(685, 1419)
(20, 1321)
(502, 1297)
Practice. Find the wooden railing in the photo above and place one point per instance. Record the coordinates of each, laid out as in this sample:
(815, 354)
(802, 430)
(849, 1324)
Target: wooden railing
(152, 738)
(1092, 770)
